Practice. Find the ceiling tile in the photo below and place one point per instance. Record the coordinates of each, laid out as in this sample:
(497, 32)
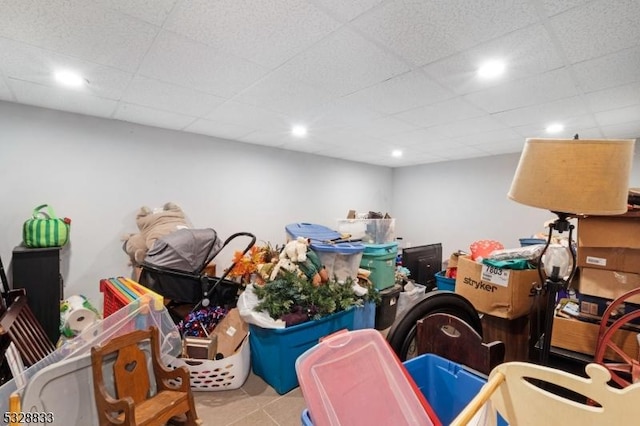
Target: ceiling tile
(152, 11)
(526, 52)
(488, 138)
(553, 7)
(470, 126)
(385, 128)
(346, 10)
(572, 126)
(421, 137)
(343, 63)
(540, 88)
(151, 117)
(544, 114)
(428, 30)
(619, 116)
(168, 97)
(218, 129)
(78, 29)
(441, 113)
(461, 153)
(598, 28)
(339, 113)
(28, 63)
(609, 71)
(267, 32)
(348, 139)
(502, 147)
(283, 94)
(61, 99)
(401, 93)
(629, 130)
(614, 98)
(249, 116)
(176, 59)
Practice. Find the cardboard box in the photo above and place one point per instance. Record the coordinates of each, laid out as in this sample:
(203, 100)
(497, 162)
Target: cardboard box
(619, 231)
(608, 284)
(504, 293)
(610, 258)
(230, 332)
(581, 336)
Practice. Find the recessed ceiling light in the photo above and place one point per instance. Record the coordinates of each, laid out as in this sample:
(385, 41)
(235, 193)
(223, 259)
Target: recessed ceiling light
(554, 128)
(396, 153)
(491, 69)
(299, 131)
(69, 78)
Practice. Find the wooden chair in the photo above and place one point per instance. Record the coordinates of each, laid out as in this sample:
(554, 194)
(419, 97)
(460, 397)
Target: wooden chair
(519, 392)
(132, 403)
(20, 325)
(451, 338)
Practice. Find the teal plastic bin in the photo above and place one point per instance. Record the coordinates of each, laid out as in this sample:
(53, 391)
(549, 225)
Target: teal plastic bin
(444, 283)
(274, 350)
(380, 259)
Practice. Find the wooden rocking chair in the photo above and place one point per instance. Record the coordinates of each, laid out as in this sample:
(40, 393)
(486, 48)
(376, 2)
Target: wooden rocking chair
(133, 404)
(23, 329)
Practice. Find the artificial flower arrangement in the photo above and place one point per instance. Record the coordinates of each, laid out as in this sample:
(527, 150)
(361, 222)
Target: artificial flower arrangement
(246, 267)
(292, 285)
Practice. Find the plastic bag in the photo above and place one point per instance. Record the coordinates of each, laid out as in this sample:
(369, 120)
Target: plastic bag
(247, 301)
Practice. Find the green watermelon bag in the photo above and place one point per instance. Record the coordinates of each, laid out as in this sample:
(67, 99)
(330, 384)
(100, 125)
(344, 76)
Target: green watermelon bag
(45, 229)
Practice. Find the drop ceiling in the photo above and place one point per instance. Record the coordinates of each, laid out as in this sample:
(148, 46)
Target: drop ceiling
(366, 77)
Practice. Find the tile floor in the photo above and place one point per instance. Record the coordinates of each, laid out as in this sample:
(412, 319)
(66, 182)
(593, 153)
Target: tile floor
(255, 403)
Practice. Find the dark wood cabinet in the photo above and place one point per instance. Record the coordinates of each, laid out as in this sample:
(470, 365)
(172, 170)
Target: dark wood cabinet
(37, 270)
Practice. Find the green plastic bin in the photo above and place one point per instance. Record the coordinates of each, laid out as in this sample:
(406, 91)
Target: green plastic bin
(380, 259)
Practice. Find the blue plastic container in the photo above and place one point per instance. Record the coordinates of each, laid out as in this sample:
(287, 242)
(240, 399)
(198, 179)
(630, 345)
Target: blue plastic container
(364, 316)
(274, 351)
(316, 233)
(445, 384)
(524, 242)
(444, 283)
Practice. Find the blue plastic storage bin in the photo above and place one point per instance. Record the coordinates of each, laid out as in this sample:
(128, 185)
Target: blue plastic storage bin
(364, 316)
(444, 283)
(446, 385)
(274, 350)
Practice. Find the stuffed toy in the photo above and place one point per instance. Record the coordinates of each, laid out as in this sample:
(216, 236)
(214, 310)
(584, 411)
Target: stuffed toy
(152, 225)
(295, 250)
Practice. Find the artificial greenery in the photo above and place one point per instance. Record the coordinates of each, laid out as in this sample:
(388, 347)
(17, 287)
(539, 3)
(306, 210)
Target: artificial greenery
(292, 293)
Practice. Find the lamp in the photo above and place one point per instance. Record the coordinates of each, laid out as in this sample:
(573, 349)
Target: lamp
(570, 177)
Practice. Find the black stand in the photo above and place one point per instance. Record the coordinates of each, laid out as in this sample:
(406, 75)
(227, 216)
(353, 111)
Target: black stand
(554, 283)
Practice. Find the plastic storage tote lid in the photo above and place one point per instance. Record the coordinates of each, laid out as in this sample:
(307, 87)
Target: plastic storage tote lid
(354, 378)
(340, 248)
(312, 231)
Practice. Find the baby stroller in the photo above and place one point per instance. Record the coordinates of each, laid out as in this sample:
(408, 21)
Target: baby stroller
(175, 268)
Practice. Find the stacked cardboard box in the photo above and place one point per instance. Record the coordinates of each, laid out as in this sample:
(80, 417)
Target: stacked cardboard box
(609, 262)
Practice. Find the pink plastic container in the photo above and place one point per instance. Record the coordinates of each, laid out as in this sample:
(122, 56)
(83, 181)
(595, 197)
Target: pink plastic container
(354, 378)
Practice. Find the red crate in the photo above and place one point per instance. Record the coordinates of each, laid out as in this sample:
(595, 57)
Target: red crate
(113, 299)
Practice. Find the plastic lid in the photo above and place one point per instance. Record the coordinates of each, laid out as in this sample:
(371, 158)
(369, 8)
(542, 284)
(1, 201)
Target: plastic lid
(341, 248)
(312, 231)
(354, 378)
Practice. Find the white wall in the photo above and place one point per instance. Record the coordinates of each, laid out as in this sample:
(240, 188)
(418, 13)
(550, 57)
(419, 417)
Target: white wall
(457, 203)
(100, 172)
